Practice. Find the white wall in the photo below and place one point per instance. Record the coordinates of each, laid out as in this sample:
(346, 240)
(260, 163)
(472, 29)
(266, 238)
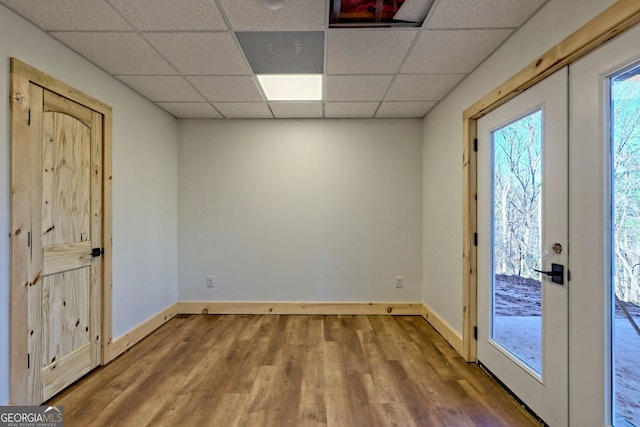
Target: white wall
(442, 133)
(300, 210)
(144, 182)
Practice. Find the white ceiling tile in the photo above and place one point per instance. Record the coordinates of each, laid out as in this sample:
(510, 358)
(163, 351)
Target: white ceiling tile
(455, 51)
(227, 88)
(244, 110)
(404, 109)
(192, 110)
(116, 53)
(413, 10)
(162, 88)
(482, 13)
(69, 15)
(422, 87)
(171, 15)
(349, 110)
(295, 15)
(367, 51)
(200, 53)
(357, 88)
(296, 110)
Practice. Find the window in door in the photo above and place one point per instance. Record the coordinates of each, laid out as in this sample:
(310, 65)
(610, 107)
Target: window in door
(517, 298)
(625, 175)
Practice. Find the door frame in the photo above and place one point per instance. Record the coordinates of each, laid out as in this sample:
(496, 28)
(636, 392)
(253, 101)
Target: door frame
(22, 75)
(613, 21)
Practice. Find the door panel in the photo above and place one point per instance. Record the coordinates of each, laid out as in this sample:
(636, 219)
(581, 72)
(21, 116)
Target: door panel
(593, 259)
(64, 312)
(522, 227)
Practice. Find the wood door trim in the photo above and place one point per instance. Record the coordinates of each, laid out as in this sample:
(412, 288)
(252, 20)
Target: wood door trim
(22, 75)
(613, 21)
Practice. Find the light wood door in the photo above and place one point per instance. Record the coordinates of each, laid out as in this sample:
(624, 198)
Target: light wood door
(60, 315)
(64, 305)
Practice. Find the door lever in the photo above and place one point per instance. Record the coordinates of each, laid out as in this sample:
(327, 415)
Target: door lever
(556, 273)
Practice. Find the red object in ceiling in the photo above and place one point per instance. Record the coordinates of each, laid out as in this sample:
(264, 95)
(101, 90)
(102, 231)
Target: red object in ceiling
(363, 12)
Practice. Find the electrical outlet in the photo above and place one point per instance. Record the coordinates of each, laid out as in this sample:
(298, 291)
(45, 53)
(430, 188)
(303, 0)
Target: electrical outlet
(399, 281)
(211, 281)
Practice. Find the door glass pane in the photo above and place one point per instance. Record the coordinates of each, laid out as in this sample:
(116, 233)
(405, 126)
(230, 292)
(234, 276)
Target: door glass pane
(625, 130)
(517, 185)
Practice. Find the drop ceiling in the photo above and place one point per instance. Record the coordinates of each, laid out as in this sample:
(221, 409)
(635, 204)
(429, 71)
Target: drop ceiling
(187, 56)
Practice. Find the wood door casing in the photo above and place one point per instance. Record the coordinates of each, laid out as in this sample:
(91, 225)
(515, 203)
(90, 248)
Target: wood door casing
(60, 210)
(613, 21)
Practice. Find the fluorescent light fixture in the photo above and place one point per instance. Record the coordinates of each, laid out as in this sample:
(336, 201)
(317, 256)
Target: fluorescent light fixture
(273, 4)
(291, 87)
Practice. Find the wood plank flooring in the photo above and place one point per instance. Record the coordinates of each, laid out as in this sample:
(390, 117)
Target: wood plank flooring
(276, 370)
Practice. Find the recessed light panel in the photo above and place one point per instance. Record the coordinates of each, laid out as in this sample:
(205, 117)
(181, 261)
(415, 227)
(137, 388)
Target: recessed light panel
(291, 87)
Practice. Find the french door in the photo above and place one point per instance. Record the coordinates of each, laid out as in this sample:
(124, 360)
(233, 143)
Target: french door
(523, 246)
(605, 235)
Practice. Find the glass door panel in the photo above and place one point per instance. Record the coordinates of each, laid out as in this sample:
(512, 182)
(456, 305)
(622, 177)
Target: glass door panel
(517, 188)
(625, 289)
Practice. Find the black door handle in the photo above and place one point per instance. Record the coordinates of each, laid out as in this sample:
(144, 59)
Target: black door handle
(556, 273)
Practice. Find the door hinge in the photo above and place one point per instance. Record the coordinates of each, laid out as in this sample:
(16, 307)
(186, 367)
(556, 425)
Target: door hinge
(475, 144)
(475, 333)
(29, 118)
(29, 239)
(28, 361)
(475, 239)
(97, 252)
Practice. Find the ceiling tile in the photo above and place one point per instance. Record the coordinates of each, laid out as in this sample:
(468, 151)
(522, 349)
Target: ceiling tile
(192, 110)
(404, 109)
(349, 110)
(456, 51)
(69, 15)
(171, 15)
(482, 13)
(413, 10)
(422, 87)
(295, 15)
(162, 88)
(244, 110)
(297, 110)
(357, 88)
(227, 88)
(290, 52)
(200, 53)
(116, 53)
(367, 51)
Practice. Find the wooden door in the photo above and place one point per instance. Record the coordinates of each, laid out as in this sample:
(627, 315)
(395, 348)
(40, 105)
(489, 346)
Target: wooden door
(65, 309)
(60, 223)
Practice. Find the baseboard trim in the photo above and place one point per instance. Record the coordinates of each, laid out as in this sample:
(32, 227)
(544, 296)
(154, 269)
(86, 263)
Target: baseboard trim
(319, 308)
(443, 328)
(128, 340)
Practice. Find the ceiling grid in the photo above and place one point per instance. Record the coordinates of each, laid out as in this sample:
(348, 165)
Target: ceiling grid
(191, 57)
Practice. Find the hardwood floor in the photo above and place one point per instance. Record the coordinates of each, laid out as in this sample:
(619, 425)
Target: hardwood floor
(276, 370)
